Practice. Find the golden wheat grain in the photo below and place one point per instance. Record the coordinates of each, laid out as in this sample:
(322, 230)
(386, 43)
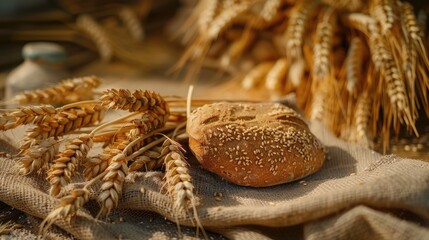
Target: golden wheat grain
(70, 90)
(65, 166)
(111, 189)
(95, 165)
(277, 75)
(40, 153)
(67, 208)
(354, 64)
(256, 75)
(148, 161)
(89, 26)
(149, 122)
(323, 47)
(294, 35)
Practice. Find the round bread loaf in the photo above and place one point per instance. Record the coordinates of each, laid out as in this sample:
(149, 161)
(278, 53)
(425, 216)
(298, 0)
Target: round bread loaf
(254, 144)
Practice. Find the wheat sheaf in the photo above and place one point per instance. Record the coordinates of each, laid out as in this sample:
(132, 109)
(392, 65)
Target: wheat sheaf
(322, 50)
(59, 145)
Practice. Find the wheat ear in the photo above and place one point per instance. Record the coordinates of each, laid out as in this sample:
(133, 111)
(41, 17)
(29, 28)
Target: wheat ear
(383, 11)
(294, 35)
(132, 23)
(362, 118)
(111, 189)
(66, 209)
(27, 115)
(354, 64)
(139, 100)
(207, 12)
(38, 155)
(256, 75)
(64, 122)
(323, 46)
(70, 90)
(88, 25)
(177, 178)
(277, 75)
(65, 166)
(225, 18)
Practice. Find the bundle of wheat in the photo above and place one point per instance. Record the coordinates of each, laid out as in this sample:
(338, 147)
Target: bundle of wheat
(143, 140)
(360, 68)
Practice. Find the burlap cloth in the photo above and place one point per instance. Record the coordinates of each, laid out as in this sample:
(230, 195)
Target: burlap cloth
(358, 194)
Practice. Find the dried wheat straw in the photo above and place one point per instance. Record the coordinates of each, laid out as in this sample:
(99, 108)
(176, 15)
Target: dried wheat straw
(65, 166)
(40, 153)
(70, 90)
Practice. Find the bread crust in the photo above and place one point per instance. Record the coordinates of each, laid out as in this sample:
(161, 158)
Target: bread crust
(254, 144)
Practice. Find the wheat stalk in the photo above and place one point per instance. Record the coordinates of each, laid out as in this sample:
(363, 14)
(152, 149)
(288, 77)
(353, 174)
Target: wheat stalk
(70, 90)
(65, 166)
(40, 153)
